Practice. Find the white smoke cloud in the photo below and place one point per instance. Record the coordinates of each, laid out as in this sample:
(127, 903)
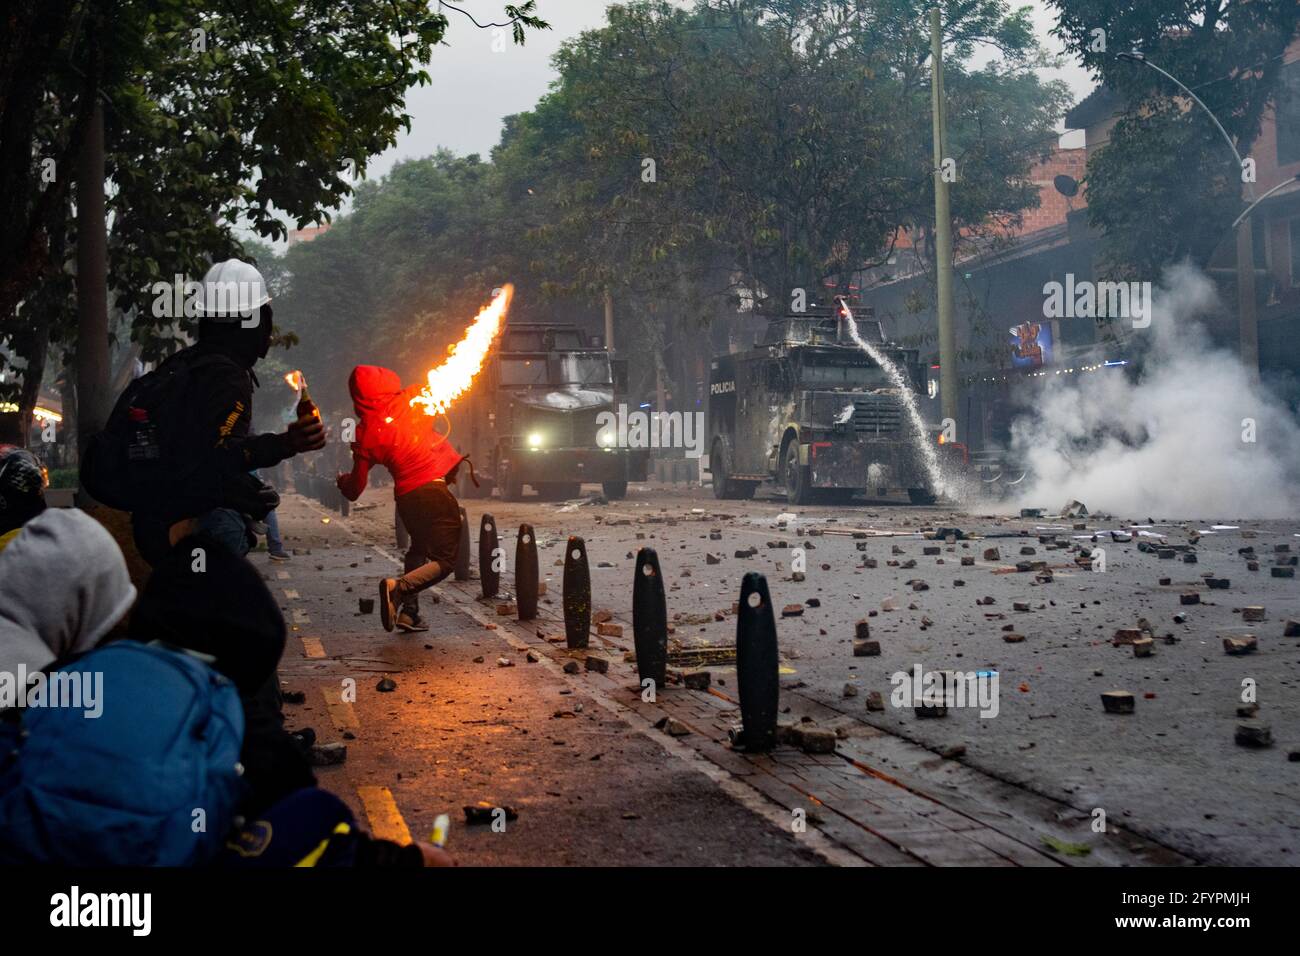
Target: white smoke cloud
(1170, 444)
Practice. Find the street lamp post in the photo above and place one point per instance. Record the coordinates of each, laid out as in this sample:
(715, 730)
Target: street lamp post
(945, 308)
(1247, 324)
(1251, 208)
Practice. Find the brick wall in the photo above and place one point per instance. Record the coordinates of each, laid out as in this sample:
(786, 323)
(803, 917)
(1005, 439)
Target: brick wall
(1052, 205)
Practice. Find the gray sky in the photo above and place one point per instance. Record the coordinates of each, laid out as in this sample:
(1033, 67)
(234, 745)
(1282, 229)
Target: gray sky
(473, 87)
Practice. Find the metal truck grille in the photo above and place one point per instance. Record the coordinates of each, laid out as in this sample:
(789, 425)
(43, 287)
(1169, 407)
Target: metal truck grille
(877, 417)
(575, 429)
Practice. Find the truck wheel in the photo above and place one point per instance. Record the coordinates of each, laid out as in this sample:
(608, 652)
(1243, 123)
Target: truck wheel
(511, 488)
(614, 489)
(921, 496)
(724, 487)
(797, 490)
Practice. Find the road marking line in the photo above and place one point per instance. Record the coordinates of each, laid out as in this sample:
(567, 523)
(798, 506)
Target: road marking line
(300, 616)
(291, 594)
(282, 575)
(386, 821)
(313, 648)
(341, 712)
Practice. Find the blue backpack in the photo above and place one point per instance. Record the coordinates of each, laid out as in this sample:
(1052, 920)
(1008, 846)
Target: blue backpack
(152, 781)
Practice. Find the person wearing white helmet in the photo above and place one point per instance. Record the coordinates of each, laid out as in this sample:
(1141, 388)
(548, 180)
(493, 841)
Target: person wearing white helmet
(217, 494)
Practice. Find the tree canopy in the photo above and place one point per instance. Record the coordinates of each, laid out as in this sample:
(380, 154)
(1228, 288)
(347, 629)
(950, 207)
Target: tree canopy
(1165, 186)
(686, 156)
(217, 113)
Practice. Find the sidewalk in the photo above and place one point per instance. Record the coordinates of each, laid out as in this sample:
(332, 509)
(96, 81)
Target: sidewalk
(461, 729)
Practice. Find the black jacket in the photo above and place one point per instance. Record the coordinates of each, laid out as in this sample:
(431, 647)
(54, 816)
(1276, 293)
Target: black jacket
(223, 409)
(219, 452)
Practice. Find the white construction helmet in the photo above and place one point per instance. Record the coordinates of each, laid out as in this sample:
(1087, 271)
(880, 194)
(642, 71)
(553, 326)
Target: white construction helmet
(232, 290)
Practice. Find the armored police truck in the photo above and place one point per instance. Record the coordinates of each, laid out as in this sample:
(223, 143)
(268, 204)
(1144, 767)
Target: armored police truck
(531, 417)
(810, 411)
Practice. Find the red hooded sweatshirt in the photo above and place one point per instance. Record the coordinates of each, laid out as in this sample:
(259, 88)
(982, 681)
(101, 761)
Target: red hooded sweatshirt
(394, 434)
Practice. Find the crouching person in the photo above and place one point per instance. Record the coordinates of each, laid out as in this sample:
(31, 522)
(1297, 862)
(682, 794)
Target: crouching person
(64, 586)
(206, 599)
(117, 755)
(22, 490)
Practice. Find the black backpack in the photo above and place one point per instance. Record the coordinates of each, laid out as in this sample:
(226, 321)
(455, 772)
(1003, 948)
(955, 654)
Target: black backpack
(151, 455)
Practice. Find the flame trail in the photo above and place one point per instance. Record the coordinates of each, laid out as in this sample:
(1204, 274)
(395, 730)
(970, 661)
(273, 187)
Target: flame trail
(453, 377)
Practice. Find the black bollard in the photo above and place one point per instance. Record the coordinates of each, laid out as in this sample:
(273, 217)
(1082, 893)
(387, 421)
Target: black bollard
(757, 664)
(650, 619)
(577, 594)
(487, 544)
(526, 573)
(462, 549)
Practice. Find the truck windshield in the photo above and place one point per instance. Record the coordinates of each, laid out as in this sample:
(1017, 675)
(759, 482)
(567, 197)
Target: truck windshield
(584, 368)
(569, 368)
(524, 371)
(843, 376)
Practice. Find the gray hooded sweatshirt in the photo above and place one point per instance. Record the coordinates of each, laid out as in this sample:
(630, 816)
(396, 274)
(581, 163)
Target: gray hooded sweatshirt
(63, 585)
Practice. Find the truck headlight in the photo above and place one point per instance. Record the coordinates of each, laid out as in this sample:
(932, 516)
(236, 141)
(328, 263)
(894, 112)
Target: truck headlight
(535, 440)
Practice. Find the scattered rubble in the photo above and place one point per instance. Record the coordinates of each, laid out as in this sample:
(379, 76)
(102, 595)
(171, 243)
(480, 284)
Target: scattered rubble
(328, 755)
(1118, 702)
(1244, 644)
(1253, 733)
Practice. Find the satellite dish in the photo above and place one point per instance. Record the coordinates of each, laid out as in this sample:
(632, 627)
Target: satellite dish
(1067, 186)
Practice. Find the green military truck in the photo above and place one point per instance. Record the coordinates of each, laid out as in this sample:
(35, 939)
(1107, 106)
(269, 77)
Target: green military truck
(530, 418)
(810, 412)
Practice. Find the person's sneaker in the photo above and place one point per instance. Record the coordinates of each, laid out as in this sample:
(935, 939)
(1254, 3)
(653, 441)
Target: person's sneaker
(278, 555)
(387, 607)
(408, 622)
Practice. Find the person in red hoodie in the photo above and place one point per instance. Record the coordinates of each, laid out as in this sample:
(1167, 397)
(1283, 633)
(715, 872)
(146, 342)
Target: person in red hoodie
(390, 432)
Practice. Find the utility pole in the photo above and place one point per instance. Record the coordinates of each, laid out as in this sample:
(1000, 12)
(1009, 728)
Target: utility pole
(942, 233)
(1247, 320)
(609, 320)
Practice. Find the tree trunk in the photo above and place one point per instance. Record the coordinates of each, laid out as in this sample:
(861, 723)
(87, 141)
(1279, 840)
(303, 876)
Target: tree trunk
(29, 43)
(69, 395)
(92, 285)
(37, 345)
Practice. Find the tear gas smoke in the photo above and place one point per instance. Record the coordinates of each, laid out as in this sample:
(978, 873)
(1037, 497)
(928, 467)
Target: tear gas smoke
(1192, 436)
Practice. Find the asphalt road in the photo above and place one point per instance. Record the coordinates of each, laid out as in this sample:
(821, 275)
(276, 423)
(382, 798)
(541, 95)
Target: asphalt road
(595, 782)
